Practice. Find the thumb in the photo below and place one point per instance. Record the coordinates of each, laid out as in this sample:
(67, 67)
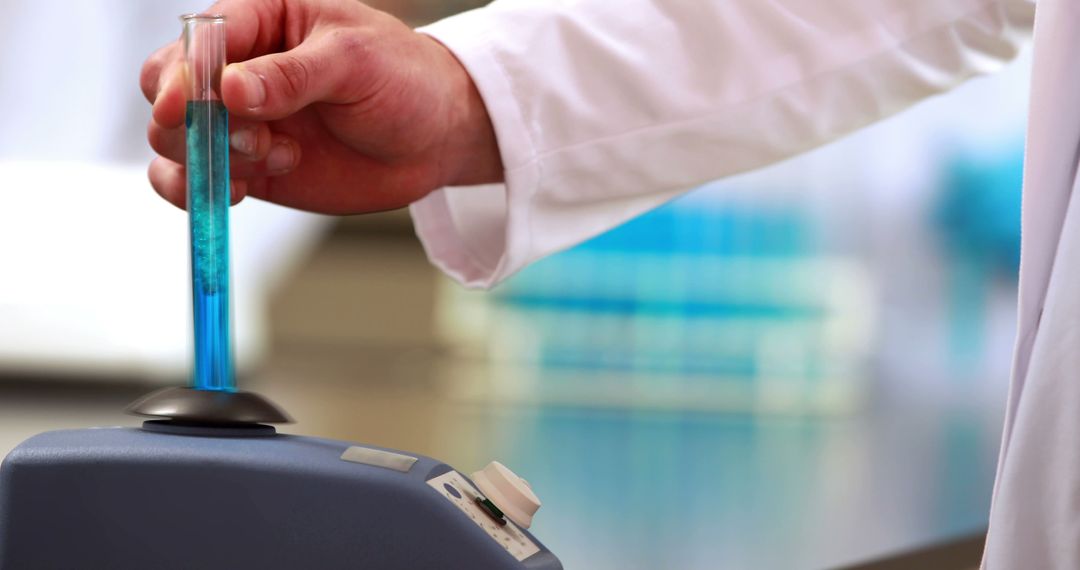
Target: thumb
(277, 85)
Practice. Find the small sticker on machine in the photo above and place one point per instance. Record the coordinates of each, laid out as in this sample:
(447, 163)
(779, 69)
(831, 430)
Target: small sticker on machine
(379, 458)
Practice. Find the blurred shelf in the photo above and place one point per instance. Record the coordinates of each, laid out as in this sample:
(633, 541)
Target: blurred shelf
(420, 12)
(395, 223)
(963, 553)
(368, 284)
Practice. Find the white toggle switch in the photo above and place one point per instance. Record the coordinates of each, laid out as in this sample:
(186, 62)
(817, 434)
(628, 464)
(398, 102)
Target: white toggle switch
(509, 492)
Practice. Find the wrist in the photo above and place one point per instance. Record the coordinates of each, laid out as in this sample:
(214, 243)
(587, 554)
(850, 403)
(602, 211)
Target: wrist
(471, 151)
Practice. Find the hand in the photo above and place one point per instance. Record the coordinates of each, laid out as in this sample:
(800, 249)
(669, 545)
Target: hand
(334, 107)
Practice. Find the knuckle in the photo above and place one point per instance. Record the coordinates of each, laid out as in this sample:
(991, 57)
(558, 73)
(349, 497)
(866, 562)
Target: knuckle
(295, 74)
(162, 141)
(348, 43)
(153, 136)
(358, 50)
(148, 79)
(152, 68)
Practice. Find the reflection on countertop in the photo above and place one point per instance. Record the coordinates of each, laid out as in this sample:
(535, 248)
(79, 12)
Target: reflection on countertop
(356, 357)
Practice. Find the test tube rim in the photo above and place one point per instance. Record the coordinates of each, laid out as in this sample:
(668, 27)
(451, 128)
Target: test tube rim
(202, 17)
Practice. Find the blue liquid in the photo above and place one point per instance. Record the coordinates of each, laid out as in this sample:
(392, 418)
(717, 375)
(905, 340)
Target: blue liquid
(208, 215)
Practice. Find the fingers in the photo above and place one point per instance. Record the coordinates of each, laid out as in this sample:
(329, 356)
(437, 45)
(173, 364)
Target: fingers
(150, 76)
(167, 178)
(281, 156)
(169, 104)
(168, 143)
(274, 86)
(255, 150)
(255, 27)
(237, 190)
(169, 181)
(251, 141)
(161, 81)
(267, 87)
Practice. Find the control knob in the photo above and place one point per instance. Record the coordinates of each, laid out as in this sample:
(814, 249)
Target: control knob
(512, 494)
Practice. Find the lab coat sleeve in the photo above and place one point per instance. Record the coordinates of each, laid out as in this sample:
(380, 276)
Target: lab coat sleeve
(606, 109)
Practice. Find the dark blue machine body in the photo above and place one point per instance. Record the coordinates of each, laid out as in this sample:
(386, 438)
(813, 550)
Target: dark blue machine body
(127, 498)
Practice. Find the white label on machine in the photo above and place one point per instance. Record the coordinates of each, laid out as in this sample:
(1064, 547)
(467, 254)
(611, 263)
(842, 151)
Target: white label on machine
(379, 458)
(459, 491)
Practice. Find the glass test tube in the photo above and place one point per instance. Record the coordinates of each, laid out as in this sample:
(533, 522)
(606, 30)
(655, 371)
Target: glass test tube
(208, 200)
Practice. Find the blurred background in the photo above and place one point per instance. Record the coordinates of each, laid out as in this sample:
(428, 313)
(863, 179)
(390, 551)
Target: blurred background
(801, 367)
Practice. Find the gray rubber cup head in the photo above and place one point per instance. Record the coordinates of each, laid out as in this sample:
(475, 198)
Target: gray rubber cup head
(206, 407)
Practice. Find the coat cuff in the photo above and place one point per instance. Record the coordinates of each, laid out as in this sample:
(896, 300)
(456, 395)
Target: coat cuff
(468, 231)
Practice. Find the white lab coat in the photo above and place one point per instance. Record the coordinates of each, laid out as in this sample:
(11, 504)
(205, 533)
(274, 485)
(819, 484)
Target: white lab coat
(1035, 519)
(605, 109)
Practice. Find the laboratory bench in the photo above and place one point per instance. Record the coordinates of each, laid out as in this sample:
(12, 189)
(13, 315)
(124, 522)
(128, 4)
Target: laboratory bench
(355, 355)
